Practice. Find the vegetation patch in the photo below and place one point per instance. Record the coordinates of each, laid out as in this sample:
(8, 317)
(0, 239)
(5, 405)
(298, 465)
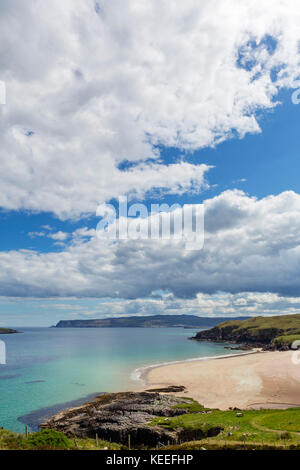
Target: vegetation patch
(276, 332)
(286, 421)
(47, 439)
(272, 427)
(199, 428)
(191, 405)
(286, 340)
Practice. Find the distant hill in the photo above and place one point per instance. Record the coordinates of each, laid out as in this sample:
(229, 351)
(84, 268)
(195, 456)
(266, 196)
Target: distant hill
(277, 332)
(153, 321)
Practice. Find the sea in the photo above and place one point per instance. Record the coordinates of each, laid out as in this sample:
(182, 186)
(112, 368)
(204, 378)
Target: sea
(50, 369)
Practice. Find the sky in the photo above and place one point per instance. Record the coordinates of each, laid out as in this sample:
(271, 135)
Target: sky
(164, 102)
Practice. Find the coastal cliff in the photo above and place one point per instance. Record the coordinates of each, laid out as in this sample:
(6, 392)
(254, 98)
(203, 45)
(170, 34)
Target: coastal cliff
(270, 333)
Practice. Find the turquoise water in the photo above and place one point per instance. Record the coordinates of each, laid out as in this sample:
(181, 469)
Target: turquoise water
(48, 366)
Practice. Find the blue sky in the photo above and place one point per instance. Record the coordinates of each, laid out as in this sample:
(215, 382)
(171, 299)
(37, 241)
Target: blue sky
(193, 107)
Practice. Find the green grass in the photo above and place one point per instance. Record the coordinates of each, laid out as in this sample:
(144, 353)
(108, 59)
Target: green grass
(286, 421)
(255, 426)
(192, 406)
(287, 339)
(50, 440)
(277, 330)
(9, 440)
(47, 439)
(288, 323)
(212, 444)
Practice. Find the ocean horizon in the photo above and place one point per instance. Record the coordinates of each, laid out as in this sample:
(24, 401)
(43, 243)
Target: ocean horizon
(50, 369)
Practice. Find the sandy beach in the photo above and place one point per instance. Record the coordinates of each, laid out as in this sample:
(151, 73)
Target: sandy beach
(259, 380)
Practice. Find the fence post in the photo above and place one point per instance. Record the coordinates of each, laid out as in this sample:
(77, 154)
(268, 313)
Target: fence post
(97, 441)
(129, 442)
(26, 431)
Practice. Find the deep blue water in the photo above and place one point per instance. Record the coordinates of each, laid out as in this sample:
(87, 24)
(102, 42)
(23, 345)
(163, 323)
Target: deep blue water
(47, 366)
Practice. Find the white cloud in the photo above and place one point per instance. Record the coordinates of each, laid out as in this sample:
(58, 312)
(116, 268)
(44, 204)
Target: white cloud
(251, 245)
(88, 88)
(36, 234)
(221, 304)
(59, 236)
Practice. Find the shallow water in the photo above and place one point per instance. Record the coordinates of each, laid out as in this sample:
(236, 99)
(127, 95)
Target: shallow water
(47, 366)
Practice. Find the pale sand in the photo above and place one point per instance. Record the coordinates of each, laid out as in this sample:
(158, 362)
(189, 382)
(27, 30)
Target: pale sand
(264, 379)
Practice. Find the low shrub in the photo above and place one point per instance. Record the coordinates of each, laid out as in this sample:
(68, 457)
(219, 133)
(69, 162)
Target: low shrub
(47, 439)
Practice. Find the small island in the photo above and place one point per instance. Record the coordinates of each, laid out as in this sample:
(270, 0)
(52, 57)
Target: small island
(7, 331)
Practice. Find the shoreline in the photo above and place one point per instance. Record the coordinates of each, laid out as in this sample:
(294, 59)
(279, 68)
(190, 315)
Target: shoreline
(34, 418)
(252, 380)
(245, 380)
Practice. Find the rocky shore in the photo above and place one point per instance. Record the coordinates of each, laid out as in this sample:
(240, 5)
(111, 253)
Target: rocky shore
(117, 416)
(240, 344)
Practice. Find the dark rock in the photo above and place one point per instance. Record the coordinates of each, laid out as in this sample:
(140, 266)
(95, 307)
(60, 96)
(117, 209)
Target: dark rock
(244, 337)
(116, 416)
(170, 389)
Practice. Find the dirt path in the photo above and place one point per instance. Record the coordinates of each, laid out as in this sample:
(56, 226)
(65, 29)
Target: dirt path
(263, 428)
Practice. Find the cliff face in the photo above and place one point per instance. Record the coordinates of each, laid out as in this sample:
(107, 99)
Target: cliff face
(258, 331)
(229, 334)
(116, 416)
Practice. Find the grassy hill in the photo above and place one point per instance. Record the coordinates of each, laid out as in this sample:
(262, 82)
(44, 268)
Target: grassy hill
(277, 332)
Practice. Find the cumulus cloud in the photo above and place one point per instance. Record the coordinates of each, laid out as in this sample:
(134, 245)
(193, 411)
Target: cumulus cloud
(251, 245)
(222, 304)
(58, 236)
(91, 86)
(218, 305)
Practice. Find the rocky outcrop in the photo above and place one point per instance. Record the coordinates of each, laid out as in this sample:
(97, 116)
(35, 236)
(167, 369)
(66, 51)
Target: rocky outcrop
(169, 389)
(261, 339)
(7, 331)
(116, 416)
